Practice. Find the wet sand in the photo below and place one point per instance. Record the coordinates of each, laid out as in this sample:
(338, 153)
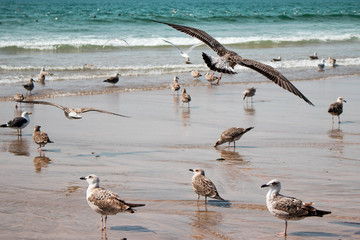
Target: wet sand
(145, 159)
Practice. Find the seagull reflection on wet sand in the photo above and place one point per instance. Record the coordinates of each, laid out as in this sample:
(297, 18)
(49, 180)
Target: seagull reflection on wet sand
(18, 147)
(41, 162)
(185, 116)
(204, 224)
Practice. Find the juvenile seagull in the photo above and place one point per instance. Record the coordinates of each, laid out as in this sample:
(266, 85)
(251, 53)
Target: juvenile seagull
(185, 97)
(231, 135)
(187, 52)
(175, 86)
(228, 59)
(40, 138)
(314, 56)
(73, 113)
(104, 201)
(113, 80)
(18, 123)
(42, 75)
(250, 92)
(336, 108)
(211, 78)
(18, 98)
(332, 61)
(195, 74)
(29, 86)
(288, 208)
(203, 186)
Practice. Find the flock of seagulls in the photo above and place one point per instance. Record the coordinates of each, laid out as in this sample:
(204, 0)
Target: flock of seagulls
(105, 202)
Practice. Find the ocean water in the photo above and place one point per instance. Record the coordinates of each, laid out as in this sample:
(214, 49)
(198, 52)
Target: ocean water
(84, 42)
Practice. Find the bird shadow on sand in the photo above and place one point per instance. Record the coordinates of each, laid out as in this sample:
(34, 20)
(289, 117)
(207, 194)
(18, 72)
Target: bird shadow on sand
(346, 122)
(315, 234)
(131, 229)
(216, 203)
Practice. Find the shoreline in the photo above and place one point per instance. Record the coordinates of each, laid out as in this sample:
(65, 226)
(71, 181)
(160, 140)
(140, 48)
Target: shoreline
(145, 159)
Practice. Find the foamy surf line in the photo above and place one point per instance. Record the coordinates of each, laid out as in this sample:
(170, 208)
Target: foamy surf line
(43, 44)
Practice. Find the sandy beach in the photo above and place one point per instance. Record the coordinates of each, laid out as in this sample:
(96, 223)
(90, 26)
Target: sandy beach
(145, 159)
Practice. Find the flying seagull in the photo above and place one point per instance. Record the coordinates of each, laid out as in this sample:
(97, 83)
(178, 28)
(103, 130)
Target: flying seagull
(228, 59)
(115, 39)
(73, 113)
(288, 208)
(18, 123)
(204, 186)
(187, 52)
(104, 201)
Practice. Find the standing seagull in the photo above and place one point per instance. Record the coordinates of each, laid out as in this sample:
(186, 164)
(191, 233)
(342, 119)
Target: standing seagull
(211, 78)
(18, 98)
(73, 113)
(314, 56)
(228, 59)
(113, 80)
(29, 86)
(250, 92)
(231, 135)
(42, 75)
(104, 201)
(332, 61)
(18, 123)
(336, 108)
(40, 138)
(195, 74)
(321, 66)
(185, 97)
(288, 208)
(203, 186)
(175, 86)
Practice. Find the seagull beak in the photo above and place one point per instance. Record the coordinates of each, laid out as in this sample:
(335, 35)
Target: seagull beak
(264, 185)
(344, 100)
(191, 170)
(83, 178)
(30, 112)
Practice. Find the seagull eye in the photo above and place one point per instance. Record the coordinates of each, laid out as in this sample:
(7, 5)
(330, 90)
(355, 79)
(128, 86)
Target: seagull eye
(90, 177)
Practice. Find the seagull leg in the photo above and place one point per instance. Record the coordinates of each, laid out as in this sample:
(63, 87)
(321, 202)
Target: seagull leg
(285, 229)
(205, 200)
(217, 82)
(339, 119)
(105, 222)
(102, 223)
(198, 199)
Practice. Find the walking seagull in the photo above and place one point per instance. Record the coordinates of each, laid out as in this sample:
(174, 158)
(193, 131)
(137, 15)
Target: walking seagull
(228, 59)
(18, 123)
(73, 113)
(204, 186)
(336, 108)
(175, 86)
(288, 208)
(40, 138)
(231, 135)
(104, 201)
(185, 97)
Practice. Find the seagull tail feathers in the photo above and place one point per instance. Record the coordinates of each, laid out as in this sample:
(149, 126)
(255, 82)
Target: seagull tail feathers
(320, 213)
(3, 125)
(248, 129)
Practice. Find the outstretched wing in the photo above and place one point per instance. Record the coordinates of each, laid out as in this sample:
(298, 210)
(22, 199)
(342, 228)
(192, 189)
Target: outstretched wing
(274, 75)
(87, 109)
(45, 103)
(201, 35)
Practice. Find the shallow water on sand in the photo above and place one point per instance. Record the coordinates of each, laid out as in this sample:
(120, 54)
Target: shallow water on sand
(145, 159)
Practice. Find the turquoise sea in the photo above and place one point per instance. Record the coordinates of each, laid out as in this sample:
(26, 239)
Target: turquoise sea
(83, 42)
